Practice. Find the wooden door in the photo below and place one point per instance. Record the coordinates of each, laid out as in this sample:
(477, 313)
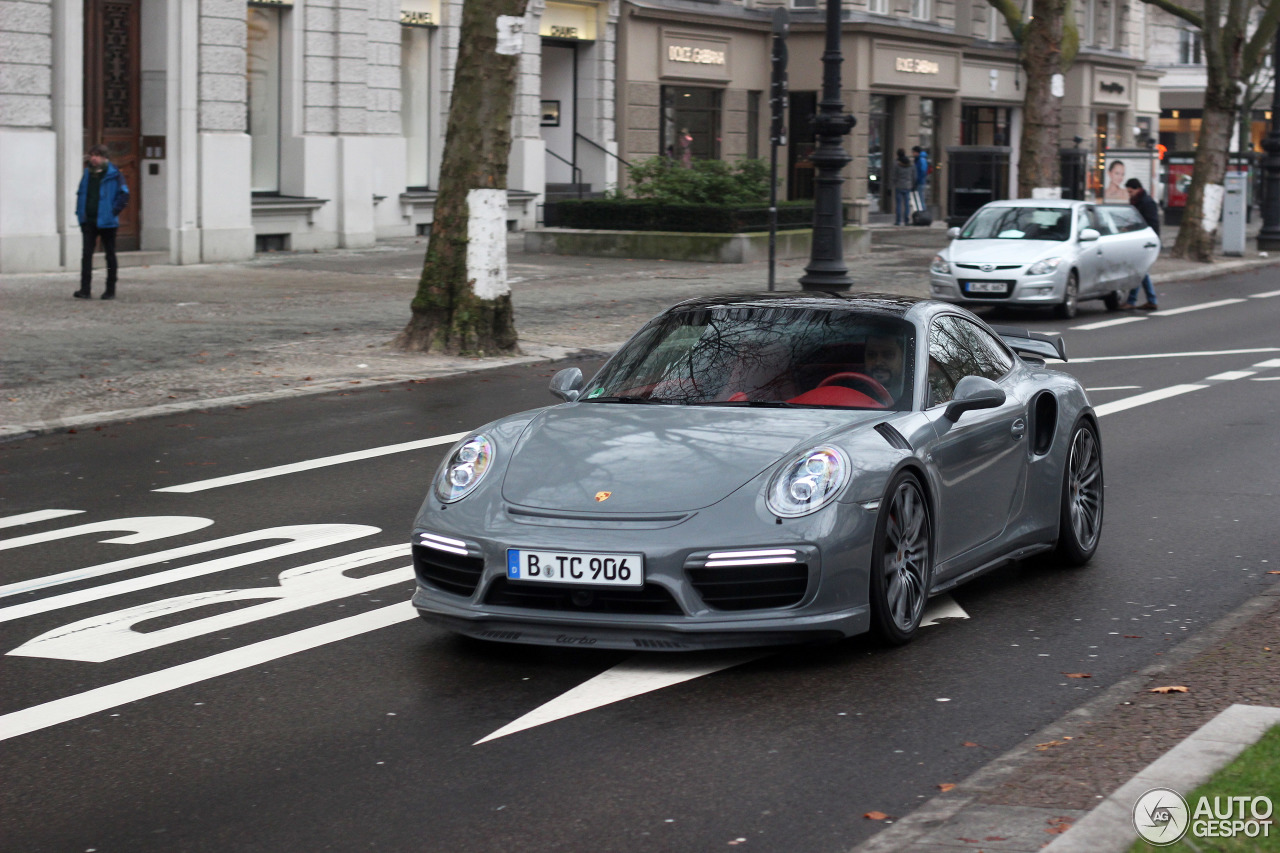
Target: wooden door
(112, 108)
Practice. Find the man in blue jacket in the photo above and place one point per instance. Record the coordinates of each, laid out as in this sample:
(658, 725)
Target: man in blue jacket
(103, 193)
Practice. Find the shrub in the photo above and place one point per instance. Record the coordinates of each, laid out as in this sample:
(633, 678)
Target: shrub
(662, 179)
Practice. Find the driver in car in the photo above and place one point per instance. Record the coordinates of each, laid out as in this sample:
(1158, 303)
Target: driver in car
(883, 357)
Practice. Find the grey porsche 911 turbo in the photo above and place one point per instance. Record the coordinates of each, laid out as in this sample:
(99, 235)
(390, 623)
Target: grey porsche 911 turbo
(763, 469)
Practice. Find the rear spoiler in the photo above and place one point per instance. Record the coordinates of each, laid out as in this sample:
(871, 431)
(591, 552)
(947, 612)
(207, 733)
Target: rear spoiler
(1034, 344)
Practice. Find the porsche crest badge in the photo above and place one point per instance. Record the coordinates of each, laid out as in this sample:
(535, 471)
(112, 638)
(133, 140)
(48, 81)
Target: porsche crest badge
(602, 496)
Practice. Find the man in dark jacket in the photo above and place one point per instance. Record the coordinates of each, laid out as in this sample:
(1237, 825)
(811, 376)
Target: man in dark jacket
(1150, 211)
(103, 193)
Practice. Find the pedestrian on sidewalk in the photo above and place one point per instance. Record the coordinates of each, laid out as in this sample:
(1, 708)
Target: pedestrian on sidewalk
(1146, 205)
(103, 193)
(904, 181)
(921, 159)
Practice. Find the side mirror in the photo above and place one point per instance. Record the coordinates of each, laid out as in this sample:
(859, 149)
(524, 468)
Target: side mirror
(567, 384)
(973, 392)
(953, 232)
(1088, 235)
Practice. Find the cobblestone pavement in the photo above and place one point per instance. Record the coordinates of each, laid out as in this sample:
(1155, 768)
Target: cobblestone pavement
(179, 338)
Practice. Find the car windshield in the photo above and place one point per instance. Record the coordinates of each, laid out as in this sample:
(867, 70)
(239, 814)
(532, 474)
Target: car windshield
(754, 355)
(1019, 223)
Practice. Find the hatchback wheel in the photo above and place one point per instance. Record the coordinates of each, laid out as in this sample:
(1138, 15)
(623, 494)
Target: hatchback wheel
(902, 561)
(1080, 522)
(1070, 304)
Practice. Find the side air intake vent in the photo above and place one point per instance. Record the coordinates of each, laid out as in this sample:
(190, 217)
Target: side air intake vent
(895, 438)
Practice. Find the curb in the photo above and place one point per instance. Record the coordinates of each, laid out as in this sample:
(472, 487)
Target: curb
(960, 804)
(1215, 269)
(1109, 828)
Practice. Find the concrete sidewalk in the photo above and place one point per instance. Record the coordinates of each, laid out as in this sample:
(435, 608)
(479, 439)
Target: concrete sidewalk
(183, 338)
(187, 337)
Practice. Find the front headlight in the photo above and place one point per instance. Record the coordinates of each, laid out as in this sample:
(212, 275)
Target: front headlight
(940, 265)
(808, 482)
(464, 469)
(1048, 265)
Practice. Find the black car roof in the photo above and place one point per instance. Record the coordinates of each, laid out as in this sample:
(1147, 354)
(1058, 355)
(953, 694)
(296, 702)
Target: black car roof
(875, 303)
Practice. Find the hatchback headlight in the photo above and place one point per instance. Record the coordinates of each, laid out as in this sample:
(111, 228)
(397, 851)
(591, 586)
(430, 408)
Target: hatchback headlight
(1047, 265)
(940, 265)
(808, 482)
(464, 469)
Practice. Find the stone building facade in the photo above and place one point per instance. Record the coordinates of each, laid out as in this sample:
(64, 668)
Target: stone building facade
(292, 124)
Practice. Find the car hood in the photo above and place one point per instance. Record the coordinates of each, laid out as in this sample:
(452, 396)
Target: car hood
(655, 458)
(1005, 251)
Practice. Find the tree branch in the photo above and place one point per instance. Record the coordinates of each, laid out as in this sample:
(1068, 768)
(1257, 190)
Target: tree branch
(1177, 11)
(1262, 36)
(1012, 13)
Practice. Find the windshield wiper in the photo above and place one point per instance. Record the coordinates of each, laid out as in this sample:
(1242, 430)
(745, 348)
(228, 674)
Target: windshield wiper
(758, 404)
(641, 400)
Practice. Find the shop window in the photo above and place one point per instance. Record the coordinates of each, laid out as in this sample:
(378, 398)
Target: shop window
(691, 122)
(263, 76)
(984, 125)
(878, 7)
(804, 4)
(922, 10)
(415, 104)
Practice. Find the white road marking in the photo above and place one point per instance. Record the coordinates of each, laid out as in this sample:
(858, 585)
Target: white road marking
(1143, 399)
(293, 468)
(647, 673)
(941, 607)
(1113, 388)
(39, 515)
(1104, 324)
(110, 636)
(1229, 375)
(633, 677)
(143, 529)
(302, 537)
(1268, 364)
(1187, 309)
(1253, 351)
(1267, 295)
(154, 683)
(1266, 379)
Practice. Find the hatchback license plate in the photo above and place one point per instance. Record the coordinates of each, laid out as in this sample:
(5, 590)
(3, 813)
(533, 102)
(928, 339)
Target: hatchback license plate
(986, 287)
(575, 568)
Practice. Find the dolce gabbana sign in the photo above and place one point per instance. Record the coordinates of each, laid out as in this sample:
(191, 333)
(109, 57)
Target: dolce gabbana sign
(915, 65)
(688, 55)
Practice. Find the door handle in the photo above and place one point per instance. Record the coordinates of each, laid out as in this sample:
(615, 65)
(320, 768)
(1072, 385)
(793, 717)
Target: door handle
(1150, 245)
(1019, 429)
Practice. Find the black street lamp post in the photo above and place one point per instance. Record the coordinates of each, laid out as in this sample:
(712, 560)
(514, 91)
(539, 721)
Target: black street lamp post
(826, 269)
(1269, 235)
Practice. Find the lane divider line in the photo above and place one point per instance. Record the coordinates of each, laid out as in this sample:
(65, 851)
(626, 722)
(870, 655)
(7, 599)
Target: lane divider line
(1104, 324)
(1202, 353)
(1176, 390)
(1187, 309)
(162, 681)
(38, 515)
(325, 461)
(1267, 295)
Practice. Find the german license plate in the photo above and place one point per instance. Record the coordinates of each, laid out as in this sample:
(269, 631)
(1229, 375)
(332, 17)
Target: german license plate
(986, 287)
(575, 567)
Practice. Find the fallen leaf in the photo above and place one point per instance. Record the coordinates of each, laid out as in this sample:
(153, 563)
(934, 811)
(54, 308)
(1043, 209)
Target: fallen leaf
(995, 838)
(1170, 689)
(946, 786)
(1133, 636)
(1077, 675)
(1050, 744)
(876, 816)
(1058, 825)
(1273, 573)
(968, 743)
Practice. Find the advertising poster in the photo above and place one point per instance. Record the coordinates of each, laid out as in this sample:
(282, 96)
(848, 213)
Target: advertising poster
(1118, 166)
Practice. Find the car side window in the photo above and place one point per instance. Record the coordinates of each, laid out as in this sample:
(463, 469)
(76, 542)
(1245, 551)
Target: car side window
(1127, 220)
(1096, 220)
(960, 348)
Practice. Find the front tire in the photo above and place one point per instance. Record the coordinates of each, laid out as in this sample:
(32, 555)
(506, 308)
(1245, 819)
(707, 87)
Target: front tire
(1070, 304)
(901, 561)
(1080, 519)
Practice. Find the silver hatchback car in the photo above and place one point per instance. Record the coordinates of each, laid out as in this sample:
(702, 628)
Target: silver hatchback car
(1045, 252)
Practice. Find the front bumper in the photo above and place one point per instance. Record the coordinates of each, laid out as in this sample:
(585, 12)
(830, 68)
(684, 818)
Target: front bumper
(689, 601)
(1020, 289)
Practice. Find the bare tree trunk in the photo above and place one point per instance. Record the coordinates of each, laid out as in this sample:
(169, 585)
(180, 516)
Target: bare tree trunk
(1039, 164)
(448, 315)
(1198, 232)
